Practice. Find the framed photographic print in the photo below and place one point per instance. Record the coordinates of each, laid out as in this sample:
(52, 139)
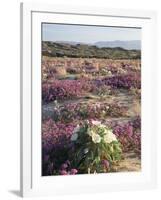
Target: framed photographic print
(87, 90)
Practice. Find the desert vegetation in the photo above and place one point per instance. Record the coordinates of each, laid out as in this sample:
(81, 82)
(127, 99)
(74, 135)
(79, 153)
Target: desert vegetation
(91, 102)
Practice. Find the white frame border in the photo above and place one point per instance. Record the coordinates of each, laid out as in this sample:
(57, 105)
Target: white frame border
(26, 89)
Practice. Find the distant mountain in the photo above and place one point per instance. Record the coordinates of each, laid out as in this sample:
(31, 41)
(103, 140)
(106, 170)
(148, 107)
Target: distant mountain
(132, 44)
(129, 44)
(68, 42)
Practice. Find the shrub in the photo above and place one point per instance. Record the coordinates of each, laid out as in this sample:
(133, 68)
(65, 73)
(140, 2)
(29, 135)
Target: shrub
(96, 148)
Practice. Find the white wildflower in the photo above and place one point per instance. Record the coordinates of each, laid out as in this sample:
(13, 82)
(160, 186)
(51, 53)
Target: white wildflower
(107, 107)
(109, 73)
(104, 112)
(109, 131)
(90, 132)
(56, 102)
(95, 122)
(96, 138)
(109, 137)
(45, 75)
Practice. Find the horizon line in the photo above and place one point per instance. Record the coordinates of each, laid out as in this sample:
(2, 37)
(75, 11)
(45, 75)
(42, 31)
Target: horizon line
(90, 42)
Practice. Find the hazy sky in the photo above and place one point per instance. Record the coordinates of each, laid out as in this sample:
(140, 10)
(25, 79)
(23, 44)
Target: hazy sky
(87, 34)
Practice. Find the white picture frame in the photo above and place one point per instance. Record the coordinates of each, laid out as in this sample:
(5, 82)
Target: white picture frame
(32, 183)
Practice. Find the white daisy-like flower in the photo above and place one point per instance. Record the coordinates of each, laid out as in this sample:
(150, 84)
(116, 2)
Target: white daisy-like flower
(44, 75)
(87, 121)
(96, 138)
(55, 101)
(109, 131)
(109, 137)
(90, 132)
(95, 122)
(74, 137)
(109, 73)
(107, 107)
(103, 111)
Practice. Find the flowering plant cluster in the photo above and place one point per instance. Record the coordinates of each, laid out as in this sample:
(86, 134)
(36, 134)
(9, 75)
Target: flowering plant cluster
(128, 81)
(78, 64)
(55, 145)
(64, 89)
(103, 90)
(85, 143)
(129, 136)
(96, 147)
(90, 114)
(80, 111)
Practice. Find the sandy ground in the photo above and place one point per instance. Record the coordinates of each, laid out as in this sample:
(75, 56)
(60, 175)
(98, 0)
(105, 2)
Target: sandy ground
(131, 162)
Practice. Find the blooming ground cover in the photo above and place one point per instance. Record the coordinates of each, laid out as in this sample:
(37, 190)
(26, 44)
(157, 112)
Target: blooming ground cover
(90, 115)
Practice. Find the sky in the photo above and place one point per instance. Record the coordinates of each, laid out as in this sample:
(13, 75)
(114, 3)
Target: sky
(88, 34)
